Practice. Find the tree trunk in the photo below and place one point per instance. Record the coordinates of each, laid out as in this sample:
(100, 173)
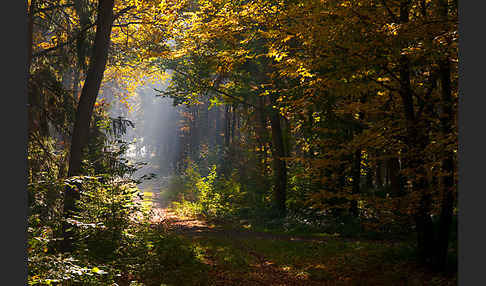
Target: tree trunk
(393, 167)
(31, 93)
(446, 119)
(378, 177)
(262, 133)
(227, 125)
(81, 42)
(423, 221)
(356, 181)
(279, 166)
(233, 124)
(86, 103)
(30, 35)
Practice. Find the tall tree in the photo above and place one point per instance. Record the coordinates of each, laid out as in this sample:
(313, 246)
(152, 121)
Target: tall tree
(446, 119)
(87, 100)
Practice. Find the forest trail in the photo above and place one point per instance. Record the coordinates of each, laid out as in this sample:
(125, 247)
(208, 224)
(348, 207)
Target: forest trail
(222, 246)
(238, 256)
(199, 227)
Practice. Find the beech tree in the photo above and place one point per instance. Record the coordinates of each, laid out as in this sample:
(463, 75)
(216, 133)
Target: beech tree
(87, 100)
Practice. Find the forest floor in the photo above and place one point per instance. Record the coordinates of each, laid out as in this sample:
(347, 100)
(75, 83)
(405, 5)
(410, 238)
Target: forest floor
(236, 255)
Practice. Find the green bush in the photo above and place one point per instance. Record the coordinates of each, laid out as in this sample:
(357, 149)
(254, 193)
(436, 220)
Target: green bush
(211, 196)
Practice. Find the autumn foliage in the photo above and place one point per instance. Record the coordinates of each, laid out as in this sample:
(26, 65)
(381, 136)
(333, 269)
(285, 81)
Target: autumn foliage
(323, 110)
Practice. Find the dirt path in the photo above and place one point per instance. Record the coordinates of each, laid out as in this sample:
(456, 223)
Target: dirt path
(262, 271)
(237, 256)
(199, 227)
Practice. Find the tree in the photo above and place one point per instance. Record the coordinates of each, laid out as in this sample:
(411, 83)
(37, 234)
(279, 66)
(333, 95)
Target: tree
(87, 100)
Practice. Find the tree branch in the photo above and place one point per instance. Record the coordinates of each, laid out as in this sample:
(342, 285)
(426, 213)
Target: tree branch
(46, 51)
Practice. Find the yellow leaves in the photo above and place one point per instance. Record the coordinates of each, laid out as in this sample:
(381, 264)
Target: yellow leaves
(178, 54)
(345, 4)
(304, 72)
(391, 29)
(383, 79)
(191, 14)
(45, 45)
(246, 40)
(278, 56)
(288, 38)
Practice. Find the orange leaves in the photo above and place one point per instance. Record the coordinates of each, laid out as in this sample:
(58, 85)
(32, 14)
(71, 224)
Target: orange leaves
(100, 102)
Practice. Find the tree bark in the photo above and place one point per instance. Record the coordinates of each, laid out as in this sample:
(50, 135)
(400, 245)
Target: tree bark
(378, 174)
(393, 167)
(227, 131)
(233, 124)
(81, 42)
(279, 166)
(414, 142)
(31, 92)
(356, 174)
(446, 119)
(87, 100)
(30, 35)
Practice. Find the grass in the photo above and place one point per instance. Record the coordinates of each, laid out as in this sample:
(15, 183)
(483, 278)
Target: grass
(330, 262)
(297, 255)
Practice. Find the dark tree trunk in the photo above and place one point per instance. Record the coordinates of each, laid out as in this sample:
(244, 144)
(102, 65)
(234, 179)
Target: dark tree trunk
(227, 119)
(92, 84)
(30, 34)
(356, 169)
(393, 167)
(262, 132)
(226, 162)
(31, 95)
(356, 181)
(81, 42)
(195, 136)
(445, 219)
(414, 142)
(369, 173)
(447, 118)
(86, 103)
(279, 166)
(233, 124)
(378, 176)
(219, 126)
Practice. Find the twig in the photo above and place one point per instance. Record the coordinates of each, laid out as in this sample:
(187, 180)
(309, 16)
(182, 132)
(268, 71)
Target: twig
(46, 51)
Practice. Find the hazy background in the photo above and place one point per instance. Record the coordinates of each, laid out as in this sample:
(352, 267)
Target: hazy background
(155, 137)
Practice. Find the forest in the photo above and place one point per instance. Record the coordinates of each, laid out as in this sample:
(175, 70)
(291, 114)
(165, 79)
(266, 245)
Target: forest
(242, 142)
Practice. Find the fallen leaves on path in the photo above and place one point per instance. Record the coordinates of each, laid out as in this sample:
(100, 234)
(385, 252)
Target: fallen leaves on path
(224, 249)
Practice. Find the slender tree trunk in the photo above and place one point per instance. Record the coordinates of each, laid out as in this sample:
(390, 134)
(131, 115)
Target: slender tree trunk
(226, 162)
(369, 171)
(195, 134)
(378, 177)
(31, 95)
(218, 126)
(393, 167)
(233, 124)
(356, 181)
(414, 142)
(357, 158)
(92, 84)
(262, 131)
(86, 103)
(30, 34)
(81, 43)
(227, 125)
(279, 166)
(445, 219)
